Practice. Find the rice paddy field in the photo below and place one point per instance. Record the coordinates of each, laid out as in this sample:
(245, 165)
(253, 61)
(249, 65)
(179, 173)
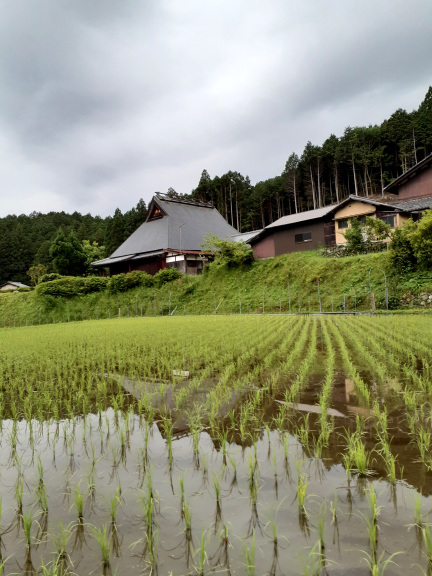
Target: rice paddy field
(217, 445)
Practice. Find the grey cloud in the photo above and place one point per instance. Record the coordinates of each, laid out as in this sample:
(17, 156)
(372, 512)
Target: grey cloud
(107, 101)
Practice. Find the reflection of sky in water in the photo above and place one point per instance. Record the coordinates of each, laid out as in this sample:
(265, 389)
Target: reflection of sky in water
(67, 450)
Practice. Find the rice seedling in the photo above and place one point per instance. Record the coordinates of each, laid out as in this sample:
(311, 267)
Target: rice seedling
(60, 539)
(114, 504)
(302, 484)
(78, 497)
(201, 554)
(19, 490)
(378, 566)
(103, 538)
(315, 562)
(249, 555)
(27, 523)
(187, 518)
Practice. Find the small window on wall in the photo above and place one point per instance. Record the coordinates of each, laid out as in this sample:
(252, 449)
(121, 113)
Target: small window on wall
(390, 220)
(305, 237)
(342, 224)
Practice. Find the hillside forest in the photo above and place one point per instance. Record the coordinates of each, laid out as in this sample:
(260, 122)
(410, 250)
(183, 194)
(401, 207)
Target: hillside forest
(362, 161)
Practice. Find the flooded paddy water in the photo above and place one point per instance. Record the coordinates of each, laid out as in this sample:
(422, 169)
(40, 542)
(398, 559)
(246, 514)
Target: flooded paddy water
(228, 445)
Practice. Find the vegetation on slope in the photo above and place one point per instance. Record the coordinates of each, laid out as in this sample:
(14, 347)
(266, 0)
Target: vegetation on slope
(277, 283)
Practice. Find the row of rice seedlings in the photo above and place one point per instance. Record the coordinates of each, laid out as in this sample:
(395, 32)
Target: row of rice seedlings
(409, 346)
(293, 393)
(360, 386)
(384, 442)
(374, 357)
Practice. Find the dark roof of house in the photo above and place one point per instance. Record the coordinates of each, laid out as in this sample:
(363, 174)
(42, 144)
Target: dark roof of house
(415, 205)
(178, 225)
(409, 174)
(384, 205)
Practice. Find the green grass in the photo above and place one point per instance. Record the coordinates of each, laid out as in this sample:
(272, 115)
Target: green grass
(278, 283)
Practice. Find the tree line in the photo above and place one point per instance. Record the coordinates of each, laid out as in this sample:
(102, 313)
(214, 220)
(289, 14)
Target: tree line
(362, 161)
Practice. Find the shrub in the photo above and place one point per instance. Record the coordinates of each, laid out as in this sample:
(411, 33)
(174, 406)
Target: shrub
(95, 284)
(232, 254)
(402, 255)
(123, 282)
(420, 238)
(66, 286)
(50, 277)
(167, 275)
(24, 289)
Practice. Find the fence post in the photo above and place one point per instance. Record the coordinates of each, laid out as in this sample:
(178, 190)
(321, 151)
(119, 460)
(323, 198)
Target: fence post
(263, 307)
(289, 299)
(319, 297)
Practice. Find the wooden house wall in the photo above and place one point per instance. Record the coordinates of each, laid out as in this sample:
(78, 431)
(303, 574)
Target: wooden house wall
(264, 247)
(150, 265)
(282, 241)
(419, 187)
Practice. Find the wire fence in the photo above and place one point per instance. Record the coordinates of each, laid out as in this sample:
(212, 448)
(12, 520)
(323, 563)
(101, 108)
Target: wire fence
(292, 304)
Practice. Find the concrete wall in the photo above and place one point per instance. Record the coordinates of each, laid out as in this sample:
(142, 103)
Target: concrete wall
(419, 187)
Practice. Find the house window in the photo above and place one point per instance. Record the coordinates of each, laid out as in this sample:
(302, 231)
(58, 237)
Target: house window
(305, 237)
(362, 219)
(388, 220)
(342, 224)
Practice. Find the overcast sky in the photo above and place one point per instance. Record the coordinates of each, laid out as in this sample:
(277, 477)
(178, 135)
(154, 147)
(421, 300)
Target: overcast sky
(103, 102)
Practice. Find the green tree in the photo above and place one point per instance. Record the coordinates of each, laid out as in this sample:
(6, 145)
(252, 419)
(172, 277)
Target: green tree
(92, 252)
(355, 237)
(420, 238)
(36, 273)
(68, 255)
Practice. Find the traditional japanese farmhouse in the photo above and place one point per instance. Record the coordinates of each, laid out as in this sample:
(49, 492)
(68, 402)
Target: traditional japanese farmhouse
(170, 237)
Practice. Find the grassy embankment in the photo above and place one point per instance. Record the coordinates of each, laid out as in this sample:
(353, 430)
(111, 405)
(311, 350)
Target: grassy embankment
(291, 278)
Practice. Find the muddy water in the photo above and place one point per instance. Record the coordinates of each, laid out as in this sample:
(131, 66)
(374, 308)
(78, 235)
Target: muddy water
(68, 451)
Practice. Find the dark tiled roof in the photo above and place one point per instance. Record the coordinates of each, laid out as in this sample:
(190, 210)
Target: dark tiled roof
(182, 226)
(415, 204)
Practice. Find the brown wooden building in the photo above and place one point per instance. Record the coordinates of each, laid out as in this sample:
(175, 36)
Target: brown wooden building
(414, 183)
(295, 233)
(170, 237)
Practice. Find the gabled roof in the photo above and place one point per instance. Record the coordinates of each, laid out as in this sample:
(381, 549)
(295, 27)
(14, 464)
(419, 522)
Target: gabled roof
(301, 217)
(172, 223)
(383, 205)
(16, 284)
(409, 174)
